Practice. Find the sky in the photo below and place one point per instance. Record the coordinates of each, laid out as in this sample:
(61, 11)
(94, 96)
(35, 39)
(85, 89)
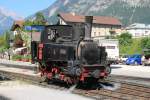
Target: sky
(25, 8)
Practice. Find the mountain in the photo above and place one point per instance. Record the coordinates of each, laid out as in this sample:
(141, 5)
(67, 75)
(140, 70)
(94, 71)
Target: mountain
(128, 11)
(7, 18)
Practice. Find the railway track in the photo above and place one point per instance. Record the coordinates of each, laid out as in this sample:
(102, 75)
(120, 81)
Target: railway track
(126, 91)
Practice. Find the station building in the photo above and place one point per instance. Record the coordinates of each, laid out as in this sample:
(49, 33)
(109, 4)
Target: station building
(102, 27)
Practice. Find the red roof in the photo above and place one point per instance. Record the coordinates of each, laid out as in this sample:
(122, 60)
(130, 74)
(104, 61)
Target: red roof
(68, 17)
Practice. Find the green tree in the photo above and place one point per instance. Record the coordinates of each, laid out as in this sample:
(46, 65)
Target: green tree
(125, 39)
(28, 23)
(7, 39)
(148, 44)
(26, 38)
(40, 19)
(2, 40)
(145, 42)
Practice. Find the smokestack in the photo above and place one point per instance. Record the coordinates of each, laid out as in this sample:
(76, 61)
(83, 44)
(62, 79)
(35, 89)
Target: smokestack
(88, 26)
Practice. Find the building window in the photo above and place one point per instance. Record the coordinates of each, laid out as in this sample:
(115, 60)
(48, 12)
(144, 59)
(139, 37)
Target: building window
(99, 33)
(110, 47)
(111, 27)
(146, 33)
(96, 40)
(137, 34)
(94, 33)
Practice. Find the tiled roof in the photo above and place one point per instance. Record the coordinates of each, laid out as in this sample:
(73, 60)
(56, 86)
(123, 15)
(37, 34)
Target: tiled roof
(68, 17)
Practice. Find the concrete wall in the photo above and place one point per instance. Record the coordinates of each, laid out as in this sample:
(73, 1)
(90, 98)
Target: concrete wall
(62, 22)
(99, 30)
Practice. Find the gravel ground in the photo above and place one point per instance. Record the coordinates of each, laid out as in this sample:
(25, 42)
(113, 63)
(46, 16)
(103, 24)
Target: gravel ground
(16, 90)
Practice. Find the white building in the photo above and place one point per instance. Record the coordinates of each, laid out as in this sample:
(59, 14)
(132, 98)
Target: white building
(139, 30)
(112, 47)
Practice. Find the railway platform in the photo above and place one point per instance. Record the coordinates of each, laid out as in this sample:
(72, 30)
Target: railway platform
(17, 64)
(131, 70)
(19, 67)
(117, 70)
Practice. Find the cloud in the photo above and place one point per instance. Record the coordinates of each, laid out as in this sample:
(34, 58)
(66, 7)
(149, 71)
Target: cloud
(10, 13)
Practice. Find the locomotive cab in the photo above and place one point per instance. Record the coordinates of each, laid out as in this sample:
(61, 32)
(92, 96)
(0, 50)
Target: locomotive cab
(46, 40)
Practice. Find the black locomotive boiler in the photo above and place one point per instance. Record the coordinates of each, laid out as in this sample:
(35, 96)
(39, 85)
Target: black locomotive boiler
(67, 53)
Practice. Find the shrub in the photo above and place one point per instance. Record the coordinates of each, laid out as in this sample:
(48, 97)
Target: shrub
(16, 57)
(26, 57)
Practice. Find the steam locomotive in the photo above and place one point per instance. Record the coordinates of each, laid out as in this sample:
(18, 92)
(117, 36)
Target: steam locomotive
(67, 53)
